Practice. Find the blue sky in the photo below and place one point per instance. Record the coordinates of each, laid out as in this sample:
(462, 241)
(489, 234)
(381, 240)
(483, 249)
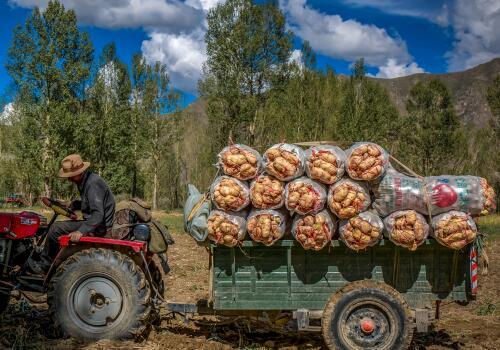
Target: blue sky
(396, 37)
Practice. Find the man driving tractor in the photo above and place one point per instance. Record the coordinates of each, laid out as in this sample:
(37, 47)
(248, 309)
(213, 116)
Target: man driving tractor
(97, 205)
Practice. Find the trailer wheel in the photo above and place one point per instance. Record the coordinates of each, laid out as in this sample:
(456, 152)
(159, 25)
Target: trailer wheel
(367, 315)
(100, 294)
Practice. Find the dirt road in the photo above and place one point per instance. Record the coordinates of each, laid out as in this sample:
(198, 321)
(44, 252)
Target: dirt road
(474, 326)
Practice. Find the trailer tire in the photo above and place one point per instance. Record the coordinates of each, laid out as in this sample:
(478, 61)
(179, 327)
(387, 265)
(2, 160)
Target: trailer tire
(367, 314)
(100, 294)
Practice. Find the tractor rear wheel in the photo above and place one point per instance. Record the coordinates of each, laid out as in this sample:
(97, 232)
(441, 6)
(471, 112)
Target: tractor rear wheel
(367, 315)
(100, 294)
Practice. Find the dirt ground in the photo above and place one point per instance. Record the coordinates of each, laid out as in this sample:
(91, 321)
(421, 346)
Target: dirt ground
(473, 326)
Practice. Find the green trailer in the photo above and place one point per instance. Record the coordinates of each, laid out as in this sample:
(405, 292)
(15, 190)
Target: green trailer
(375, 298)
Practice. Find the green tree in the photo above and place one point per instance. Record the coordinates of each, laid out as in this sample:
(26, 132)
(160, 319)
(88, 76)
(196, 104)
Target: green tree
(248, 49)
(106, 132)
(435, 136)
(366, 112)
(49, 60)
(487, 141)
(164, 133)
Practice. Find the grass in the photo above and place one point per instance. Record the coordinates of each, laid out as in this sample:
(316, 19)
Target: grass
(173, 220)
(490, 225)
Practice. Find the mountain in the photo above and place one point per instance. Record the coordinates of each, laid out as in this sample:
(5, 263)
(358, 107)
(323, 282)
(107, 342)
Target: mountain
(468, 89)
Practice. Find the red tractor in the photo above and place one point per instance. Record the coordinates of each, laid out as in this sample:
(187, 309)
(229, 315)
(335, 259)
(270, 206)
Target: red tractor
(98, 288)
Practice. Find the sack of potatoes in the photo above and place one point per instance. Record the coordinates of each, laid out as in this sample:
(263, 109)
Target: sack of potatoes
(304, 196)
(454, 229)
(395, 191)
(325, 163)
(489, 197)
(240, 161)
(284, 161)
(362, 231)
(469, 194)
(314, 231)
(266, 226)
(230, 194)
(366, 161)
(226, 228)
(348, 198)
(407, 228)
(267, 192)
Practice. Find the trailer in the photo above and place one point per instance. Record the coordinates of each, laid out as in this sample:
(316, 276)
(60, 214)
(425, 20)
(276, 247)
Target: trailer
(376, 298)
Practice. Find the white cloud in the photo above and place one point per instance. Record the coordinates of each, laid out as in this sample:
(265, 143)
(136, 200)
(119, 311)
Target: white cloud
(393, 70)
(477, 40)
(175, 29)
(183, 54)
(296, 57)
(171, 15)
(349, 40)
(434, 11)
(8, 111)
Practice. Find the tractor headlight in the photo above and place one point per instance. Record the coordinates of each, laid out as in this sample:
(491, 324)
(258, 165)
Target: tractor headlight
(142, 232)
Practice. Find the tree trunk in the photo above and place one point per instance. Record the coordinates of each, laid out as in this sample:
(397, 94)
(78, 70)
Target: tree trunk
(45, 157)
(155, 186)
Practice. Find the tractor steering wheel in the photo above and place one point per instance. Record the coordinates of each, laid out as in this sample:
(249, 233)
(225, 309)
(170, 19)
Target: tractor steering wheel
(59, 208)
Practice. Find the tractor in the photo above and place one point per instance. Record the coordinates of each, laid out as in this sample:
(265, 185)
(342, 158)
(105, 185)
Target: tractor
(97, 288)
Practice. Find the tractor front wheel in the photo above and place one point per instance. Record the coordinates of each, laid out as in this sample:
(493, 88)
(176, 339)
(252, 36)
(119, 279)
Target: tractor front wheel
(100, 294)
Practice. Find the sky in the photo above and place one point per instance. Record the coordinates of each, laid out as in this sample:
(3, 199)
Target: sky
(395, 37)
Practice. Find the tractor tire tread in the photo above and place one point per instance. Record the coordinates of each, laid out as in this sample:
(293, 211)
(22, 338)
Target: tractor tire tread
(107, 257)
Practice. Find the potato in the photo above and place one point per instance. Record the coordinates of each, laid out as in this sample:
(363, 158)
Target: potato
(284, 161)
(347, 198)
(240, 161)
(304, 196)
(366, 161)
(267, 192)
(454, 229)
(489, 197)
(266, 226)
(230, 194)
(407, 228)
(361, 231)
(314, 231)
(226, 229)
(325, 163)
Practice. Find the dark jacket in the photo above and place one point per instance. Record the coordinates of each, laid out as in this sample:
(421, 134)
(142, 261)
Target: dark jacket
(97, 205)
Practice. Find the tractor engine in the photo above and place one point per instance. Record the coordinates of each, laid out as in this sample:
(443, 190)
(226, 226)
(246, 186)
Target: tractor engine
(17, 232)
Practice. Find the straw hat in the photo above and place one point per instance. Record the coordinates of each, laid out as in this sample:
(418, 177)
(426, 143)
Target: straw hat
(73, 165)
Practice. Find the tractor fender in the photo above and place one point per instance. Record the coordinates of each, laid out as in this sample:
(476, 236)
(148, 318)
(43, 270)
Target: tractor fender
(131, 248)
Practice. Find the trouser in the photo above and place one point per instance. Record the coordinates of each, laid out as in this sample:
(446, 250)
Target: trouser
(51, 247)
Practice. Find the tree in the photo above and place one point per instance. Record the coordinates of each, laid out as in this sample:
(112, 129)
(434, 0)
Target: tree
(248, 49)
(49, 61)
(366, 112)
(488, 141)
(161, 101)
(435, 137)
(106, 131)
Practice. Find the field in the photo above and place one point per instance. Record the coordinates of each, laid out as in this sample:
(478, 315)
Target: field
(474, 326)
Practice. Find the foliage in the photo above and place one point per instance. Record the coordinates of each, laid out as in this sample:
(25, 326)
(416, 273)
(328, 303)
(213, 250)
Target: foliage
(248, 49)
(436, 141)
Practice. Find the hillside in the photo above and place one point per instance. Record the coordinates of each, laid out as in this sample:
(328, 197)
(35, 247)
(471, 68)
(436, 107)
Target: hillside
(468, 89)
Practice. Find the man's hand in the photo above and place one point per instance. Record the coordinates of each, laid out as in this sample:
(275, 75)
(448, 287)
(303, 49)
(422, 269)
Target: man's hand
(75, 236)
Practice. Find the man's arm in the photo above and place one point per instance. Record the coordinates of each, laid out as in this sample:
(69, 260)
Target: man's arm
(96, 217)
